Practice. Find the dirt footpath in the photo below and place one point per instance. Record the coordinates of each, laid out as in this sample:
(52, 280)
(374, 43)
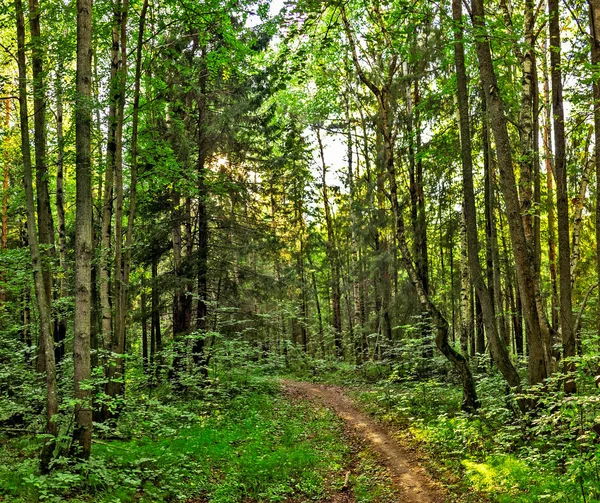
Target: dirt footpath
(411, 480)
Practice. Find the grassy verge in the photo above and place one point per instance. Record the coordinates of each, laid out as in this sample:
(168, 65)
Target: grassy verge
(487, 456)
(551, 454)
(232, 442)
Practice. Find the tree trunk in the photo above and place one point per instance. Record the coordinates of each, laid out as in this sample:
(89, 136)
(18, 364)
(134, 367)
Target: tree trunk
(144, 316)
(114, 341)
(199, 356)
(336, 296)
(492, 249)
(156, 333)
(518, 323)
(587, 166)
(538, 364)
(118, 339)
(41, 293)
(498, 348)
(60, 329)
(562, 196)
(595, 56)
(318, 308)
(108, 203)
(465, 290)
(44, 212)
(547, 133)
(5, 180)
(124, 300)
(526, 114)
(82, 434)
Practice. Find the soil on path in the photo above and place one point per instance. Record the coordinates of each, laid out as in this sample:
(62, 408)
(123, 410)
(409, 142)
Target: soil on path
(412, 481)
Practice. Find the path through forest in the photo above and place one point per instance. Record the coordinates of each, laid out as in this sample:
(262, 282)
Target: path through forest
(411, 480)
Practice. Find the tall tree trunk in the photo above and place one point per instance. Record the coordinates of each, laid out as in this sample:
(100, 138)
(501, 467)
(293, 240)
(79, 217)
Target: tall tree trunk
(490, 223)
(498, 348)
(5, 180)
(44, 213)
(41, 293)
(336, 296)
(547, 133)
(118, 341)
(318, 309)
(109, 182)
(587, 166)
(518, 323)
(354, 269)
(144, 316)
(526, 119)
(126, 268)
(465, 290)
(562, 196)
(417, 196)
(156, 346)
(199, 355)
(418, 220)
(538, 363)
(82, 434)
(595, 56)
(492, 249)
(60, 329)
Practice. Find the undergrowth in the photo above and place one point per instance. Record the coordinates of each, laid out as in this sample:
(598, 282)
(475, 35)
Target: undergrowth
(229, 439)
(550, 453)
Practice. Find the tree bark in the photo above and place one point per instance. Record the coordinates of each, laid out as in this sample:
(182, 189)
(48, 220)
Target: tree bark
(595, 57)
(562, 196)
(144, 316)
(60, 330)
(106, 301)
(134, 165)
(547, 133)
(465, 290)
(82, 434)
(498, 349)
(5, 181)
(199, 356)
(44, 212)
(587, 166)
(41, 293)
(336, 296)
(156, 343)
(117, 346)
(538, 363)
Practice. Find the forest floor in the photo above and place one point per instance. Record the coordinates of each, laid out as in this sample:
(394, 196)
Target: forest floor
(409, 478)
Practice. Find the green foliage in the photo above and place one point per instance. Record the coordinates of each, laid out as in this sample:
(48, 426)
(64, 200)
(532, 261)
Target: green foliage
(549, 454)
(236, 443)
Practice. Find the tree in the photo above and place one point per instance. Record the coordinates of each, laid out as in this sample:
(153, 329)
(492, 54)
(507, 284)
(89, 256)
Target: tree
(82, 434)
(538, 344)
(43, 303)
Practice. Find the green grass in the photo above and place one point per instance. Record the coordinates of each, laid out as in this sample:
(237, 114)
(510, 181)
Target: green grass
(496, 455)
(257, 447)
(238, 440)
(483, 456)
(371, 483)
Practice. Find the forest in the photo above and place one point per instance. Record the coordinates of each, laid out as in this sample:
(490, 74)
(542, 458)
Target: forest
(341, 251)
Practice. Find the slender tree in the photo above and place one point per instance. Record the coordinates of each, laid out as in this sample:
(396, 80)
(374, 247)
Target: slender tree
(41, 293)
(82, 434)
